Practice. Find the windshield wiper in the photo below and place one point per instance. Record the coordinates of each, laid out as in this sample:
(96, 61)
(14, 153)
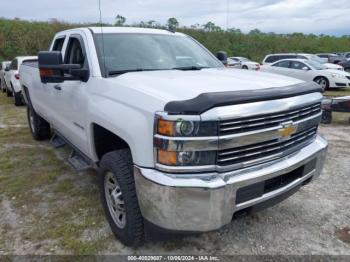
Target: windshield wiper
(187, 68)
(119, 72)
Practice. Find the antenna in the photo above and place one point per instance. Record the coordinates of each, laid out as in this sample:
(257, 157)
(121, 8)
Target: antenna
(103, 41)
(227, 12)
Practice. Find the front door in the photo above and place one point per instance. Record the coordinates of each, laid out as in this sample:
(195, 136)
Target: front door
(71, 100)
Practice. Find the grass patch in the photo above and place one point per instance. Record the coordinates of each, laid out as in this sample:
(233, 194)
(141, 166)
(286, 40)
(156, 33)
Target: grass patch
(336, 93)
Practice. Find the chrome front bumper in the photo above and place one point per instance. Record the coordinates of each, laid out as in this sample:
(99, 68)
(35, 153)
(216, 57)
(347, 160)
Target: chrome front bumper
(205, 202)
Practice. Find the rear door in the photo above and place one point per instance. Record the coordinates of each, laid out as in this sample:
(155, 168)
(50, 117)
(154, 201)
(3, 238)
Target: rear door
(45, 93)
(70, 96)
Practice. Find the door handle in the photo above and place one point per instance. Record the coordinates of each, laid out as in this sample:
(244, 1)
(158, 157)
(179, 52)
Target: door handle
(57, 87)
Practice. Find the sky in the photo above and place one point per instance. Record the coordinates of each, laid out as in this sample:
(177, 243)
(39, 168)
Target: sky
(279, 16)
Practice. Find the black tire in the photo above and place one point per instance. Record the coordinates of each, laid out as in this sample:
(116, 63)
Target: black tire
(326, 117)
(17, 98)
(119, 165)
(38, 126)
(323, 82)
(245, 67)
(8, 92)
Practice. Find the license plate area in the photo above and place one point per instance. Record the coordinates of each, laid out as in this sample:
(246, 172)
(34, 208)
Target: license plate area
(257, 190)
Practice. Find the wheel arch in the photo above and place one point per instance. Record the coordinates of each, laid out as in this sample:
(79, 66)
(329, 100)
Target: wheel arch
(105, 141)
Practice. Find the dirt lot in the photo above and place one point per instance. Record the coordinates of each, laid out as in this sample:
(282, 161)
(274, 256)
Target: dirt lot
(48, 208)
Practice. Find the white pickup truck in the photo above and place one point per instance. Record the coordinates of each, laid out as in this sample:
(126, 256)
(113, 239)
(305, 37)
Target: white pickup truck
(181, 143)
(11, 77)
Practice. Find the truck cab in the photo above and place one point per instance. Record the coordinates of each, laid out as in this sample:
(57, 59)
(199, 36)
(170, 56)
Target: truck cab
(180, 142)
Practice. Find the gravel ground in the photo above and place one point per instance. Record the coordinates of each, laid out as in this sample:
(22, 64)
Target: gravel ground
(48, 208)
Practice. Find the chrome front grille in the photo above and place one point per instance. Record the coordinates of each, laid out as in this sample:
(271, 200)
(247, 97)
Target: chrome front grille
(266, 151)
(247, 124)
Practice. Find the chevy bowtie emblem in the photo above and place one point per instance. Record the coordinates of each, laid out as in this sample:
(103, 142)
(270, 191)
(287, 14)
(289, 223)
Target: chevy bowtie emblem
(287, 130)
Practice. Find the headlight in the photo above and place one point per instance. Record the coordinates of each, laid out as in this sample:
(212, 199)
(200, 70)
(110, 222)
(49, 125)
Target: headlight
(185, 128)
(184, 142)
(186, 158)
(338, 76)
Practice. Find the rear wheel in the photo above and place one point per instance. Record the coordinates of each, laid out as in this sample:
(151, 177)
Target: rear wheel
(38, 126)
(323, 82)
(17, 97)
(245, 67)
(119, 199)
(8, 92)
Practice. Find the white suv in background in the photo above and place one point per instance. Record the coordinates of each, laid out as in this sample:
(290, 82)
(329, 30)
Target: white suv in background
(3, 65)
(12, 78)
(269, 59)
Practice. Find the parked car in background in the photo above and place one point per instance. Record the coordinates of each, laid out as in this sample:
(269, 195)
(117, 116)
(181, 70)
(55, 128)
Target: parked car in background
(331, 58)
(346, 65)
(178, 147)
(244, 63)
(232, 63)
(3, 66)
(269, 59)
(309, 70)
(12, 77)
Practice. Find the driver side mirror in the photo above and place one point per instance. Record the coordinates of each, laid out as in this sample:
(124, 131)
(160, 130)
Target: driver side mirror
(305, 68)
(7, 68)
(222, 56)
(53, 70)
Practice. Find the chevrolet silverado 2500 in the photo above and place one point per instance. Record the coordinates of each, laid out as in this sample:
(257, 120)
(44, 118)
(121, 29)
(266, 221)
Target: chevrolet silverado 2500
(180, 142)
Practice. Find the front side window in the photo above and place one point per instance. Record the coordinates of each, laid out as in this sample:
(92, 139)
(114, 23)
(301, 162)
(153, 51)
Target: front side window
(298, 65)
(284, 64)
(74, 53)
(137, 52)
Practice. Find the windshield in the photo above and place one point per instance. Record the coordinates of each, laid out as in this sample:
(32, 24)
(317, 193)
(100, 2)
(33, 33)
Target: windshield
(316, 65)
(316, 58)
(141, 52)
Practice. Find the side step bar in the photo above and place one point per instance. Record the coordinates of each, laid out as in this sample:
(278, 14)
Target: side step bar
(56, 141)
(76, 159)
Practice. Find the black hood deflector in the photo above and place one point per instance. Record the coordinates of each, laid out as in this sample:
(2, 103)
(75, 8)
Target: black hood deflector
(206, 101)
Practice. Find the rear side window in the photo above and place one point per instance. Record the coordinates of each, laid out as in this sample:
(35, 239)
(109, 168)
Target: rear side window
(272, 58)
(58, 44)
(14, 65)
(323, 56)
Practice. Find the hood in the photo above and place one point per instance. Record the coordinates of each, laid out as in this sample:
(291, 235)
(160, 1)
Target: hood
(339, 72)
(333, 66)
(169, 85)
(252, 63)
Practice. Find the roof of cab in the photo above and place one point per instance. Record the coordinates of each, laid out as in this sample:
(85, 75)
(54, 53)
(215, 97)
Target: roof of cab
(116, 30)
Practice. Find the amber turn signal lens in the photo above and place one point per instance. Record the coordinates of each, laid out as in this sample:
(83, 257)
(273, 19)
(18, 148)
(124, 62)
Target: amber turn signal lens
(165, 127)
(46, 72)
(168, 158)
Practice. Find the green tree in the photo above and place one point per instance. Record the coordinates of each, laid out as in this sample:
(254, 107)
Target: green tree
(172, 23)
(119, 20)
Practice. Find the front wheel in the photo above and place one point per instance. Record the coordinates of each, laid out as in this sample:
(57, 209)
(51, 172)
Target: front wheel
(323, 82)
(119, 199)
(245, 67)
